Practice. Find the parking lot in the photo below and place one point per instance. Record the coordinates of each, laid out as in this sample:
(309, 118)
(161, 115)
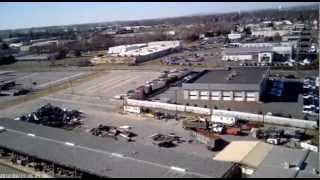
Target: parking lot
(310, 96)
(208, 55)
(94, 98)
(38, 80)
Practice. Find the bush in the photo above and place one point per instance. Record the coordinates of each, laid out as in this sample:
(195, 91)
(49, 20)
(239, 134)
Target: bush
(7, 60)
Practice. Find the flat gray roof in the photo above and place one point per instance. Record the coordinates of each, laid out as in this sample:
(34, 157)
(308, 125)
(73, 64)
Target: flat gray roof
(246, 50)
(312, 162)
(273, 164)
(244, 76)
(105, 156)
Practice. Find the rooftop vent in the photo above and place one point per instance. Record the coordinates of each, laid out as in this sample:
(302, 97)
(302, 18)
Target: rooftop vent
(2, 129)
(177, 169)
(315, 171)
(286, 165)
(117, 155)
(32, 135)
(69, 144)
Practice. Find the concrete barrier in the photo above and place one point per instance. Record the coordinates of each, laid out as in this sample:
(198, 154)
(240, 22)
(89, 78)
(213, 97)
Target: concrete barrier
(299, 123)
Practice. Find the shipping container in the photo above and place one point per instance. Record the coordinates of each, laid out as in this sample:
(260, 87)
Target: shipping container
(189, 124)
(207, 138)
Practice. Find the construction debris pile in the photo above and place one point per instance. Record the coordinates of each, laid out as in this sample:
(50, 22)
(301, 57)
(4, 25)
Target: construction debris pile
(112, 131)
(10, 88)
(53, 116)
(167, 141)
(211, 127)
(278, 136)
(211, 140)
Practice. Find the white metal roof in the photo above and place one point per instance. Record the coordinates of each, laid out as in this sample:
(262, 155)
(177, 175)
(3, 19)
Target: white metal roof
(143, 49)
(250, 153)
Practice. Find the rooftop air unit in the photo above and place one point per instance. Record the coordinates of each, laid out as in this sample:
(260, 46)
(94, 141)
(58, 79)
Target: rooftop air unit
(2, 129)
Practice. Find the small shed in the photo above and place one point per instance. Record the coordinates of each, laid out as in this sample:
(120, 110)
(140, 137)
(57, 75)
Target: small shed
(249, 154)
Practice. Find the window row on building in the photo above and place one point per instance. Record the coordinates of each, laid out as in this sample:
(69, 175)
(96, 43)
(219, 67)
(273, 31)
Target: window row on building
(221, 95)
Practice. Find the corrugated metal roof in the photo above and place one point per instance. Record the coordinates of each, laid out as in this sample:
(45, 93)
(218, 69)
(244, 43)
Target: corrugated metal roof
(96, 155)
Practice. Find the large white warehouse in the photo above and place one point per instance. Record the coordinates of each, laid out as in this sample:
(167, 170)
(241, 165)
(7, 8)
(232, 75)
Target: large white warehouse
(145, 51)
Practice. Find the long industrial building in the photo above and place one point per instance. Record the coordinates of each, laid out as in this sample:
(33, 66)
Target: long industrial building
(141, 52)
(258, 52)
(105, 157)
(236, 84)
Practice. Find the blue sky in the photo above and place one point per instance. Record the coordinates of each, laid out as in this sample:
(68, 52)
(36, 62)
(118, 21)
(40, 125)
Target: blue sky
(23, 15)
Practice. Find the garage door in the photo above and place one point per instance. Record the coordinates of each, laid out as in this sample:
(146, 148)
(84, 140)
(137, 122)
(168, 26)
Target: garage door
(204, 93)
(239, 96)
(194, 93)
(215, 93)
(204, 97)
(251, 99)
(194, 97)
(227, 96)
(251, 94)
(216, 98)
(227, 93)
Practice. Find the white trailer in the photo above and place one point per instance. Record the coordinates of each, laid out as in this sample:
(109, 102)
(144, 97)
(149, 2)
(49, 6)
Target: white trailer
(227, 120)
(132, 109)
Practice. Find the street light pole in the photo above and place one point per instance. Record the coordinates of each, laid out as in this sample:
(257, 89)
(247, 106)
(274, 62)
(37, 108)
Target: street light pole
(176, 105)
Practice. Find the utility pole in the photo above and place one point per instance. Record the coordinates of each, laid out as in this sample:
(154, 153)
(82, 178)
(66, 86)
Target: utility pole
(72, 92)
(318, 116)
(176, 105)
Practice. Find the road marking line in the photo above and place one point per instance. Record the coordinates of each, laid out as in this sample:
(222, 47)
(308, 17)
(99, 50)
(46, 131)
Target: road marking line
(112, 154)
(83, 91)
(114, 86)
(28, 76)
(77, 102)
(59, 80)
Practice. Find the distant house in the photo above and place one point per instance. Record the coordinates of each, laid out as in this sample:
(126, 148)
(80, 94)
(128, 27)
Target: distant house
(235, 36)
(268, 33)
(37, 57)
(144, 51)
